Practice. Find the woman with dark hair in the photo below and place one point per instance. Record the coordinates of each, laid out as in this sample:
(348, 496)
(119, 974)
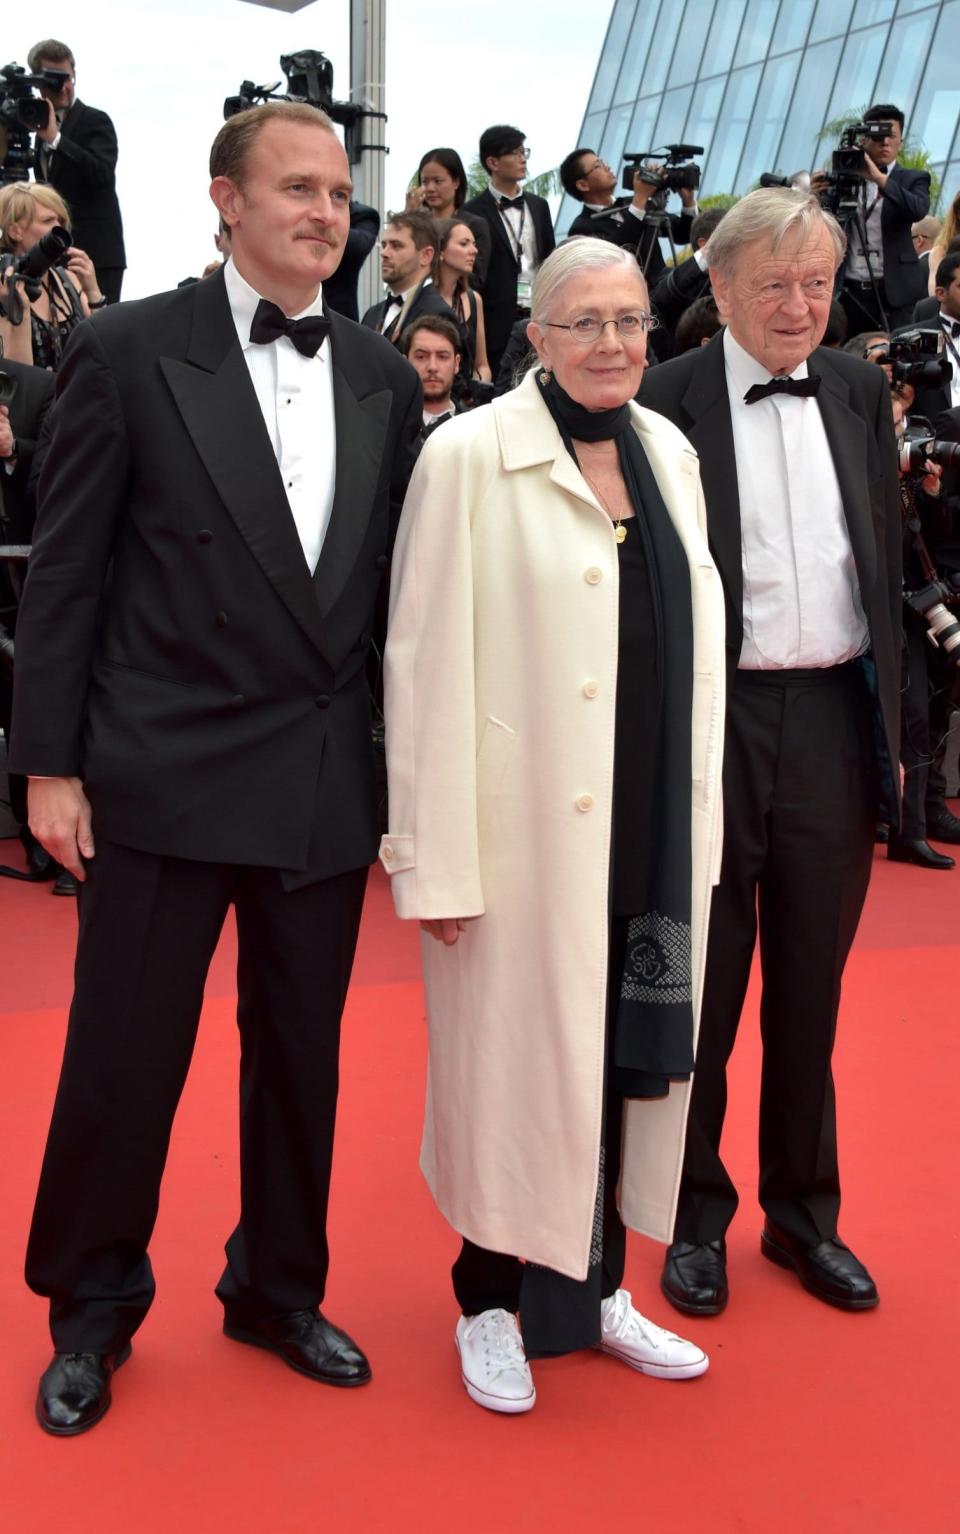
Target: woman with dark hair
(453, 265)
(441, 190)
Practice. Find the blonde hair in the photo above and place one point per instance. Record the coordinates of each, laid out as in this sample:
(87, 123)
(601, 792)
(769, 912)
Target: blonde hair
(18, 203)
(771, 213)
(581, 254)
(951, 225)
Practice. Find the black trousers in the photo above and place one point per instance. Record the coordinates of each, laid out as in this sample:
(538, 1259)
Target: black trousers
(925, 725)
(110, 279)
(485, 1280)
(800, 797)
(148, 929)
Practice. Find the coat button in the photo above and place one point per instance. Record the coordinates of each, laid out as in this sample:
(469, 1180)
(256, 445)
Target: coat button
(322, 700)
(238, 700)
(593, 575)
(388, 854)
(591, 689)
(221, 620)
(584, 803)
(204, 535)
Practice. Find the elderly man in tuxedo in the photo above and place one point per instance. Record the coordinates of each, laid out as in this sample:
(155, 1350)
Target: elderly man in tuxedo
(216, 512)
(798, 464)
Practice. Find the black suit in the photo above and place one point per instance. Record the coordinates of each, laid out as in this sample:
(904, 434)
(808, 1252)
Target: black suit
(801, 778)
(500, 309)
(176, 654)
(641, 235)
(340, 290)
(426, 300)
(676, 289)
(83, 170)
(906, 199)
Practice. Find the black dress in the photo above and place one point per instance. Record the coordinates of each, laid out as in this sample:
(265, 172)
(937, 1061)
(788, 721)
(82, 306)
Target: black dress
(50, 336)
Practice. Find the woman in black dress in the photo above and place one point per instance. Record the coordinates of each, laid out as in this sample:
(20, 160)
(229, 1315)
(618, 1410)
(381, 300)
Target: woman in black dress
(68, 291)
(453, 266)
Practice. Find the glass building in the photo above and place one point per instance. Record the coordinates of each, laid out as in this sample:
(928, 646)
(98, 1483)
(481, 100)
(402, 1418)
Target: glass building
(754, 81)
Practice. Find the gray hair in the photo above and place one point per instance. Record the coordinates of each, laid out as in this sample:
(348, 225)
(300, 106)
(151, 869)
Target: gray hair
(771, 213)
(581, 254)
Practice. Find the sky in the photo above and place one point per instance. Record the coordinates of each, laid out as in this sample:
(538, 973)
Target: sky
(161, 70)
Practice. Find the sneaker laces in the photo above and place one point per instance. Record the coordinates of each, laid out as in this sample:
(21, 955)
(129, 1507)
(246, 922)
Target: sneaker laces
(626, 1322)
(498, 1338)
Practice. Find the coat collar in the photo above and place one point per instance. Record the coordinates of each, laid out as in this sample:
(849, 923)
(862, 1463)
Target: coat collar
(213, 392)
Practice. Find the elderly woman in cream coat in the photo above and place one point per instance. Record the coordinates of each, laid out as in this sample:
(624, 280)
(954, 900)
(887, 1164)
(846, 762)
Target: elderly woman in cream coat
(554, 598)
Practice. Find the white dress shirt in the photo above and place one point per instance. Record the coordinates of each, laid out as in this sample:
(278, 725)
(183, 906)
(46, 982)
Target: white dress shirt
(951, 350)
(295, 394)
(520, 233)
(801, 596)
(857, 264)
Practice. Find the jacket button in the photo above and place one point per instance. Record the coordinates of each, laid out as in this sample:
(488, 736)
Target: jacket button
(238, 700)
(221, 620)
(322, 700)
(593, 575)
(584, 803)
(388, 854)
(591, 689)
(383, 562)
(204, 536)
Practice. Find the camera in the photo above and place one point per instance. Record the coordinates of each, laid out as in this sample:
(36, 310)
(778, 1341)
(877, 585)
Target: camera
(933, 603)
(32, 266)
(21, 113)
(916, 450)
(309, 79)
(674, 172)
(842, 193)
(916, 357)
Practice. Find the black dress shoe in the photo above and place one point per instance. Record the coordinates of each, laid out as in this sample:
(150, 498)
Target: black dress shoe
(40, 865)
(827, 1269)
(309, 1343)
(75, 1391)
(907, 850)
(943, 825)
(66, 883)
(694, 1278)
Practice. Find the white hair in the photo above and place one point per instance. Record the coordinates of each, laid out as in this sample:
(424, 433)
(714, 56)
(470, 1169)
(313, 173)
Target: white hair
(770, 213)
(581, 254)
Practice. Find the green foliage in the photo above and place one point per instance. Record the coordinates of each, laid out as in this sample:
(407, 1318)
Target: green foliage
(719, 200)
(545, 185)
(912, 155)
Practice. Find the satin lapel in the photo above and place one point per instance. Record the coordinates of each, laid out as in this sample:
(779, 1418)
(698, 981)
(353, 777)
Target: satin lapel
(847, 435)
(216, 399)
(707, 405)
(497, 225)
(361, 427)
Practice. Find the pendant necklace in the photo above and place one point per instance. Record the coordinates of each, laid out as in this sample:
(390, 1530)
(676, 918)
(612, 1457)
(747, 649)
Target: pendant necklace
(619, 531)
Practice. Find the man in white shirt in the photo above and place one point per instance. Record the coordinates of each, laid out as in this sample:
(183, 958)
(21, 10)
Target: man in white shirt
(407, 249)
(432, 346)
(215, 517)
(798, 465)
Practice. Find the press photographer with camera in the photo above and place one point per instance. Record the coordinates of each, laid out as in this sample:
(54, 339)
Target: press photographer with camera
(686, 281)
(43, 278)
(76, 153)
(635, 221)
(877, 202)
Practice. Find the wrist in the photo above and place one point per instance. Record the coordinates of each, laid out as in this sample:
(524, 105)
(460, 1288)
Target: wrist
(100, 302)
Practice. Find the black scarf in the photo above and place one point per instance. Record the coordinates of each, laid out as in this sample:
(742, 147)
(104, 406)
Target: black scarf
(653, 1034)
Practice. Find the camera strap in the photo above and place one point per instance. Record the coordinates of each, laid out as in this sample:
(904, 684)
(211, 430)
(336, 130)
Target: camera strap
(515, 236)
(951, 348)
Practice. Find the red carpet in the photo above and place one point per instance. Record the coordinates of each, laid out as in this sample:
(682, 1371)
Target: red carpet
(809, 1420)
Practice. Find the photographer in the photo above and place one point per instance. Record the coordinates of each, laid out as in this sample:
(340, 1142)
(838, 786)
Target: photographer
(77, 154)
(931, 400)
(623, 220)
(684, 282)
(881, 278)
(65, 293)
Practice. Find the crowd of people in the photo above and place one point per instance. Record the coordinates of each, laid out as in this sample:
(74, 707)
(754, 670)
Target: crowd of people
(645, 530)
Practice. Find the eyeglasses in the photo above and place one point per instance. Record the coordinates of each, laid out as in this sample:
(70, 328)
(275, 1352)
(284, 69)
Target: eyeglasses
(523, 149)
(629, 326)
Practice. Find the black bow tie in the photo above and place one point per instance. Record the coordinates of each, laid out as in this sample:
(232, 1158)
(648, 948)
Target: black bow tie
(804, 386)
(952, 327)
(512, 202)
(307, 335)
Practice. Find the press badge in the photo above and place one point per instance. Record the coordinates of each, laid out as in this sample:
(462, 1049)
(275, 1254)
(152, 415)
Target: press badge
(524, 293)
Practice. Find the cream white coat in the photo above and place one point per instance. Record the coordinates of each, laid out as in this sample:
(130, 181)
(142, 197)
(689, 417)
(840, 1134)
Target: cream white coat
(501, 672)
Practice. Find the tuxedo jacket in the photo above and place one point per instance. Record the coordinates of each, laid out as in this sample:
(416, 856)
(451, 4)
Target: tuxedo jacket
(28, 411)
(426, 300)
(173, 649)
(641, 235)
(854, 401)
(500, 279)
(906, 198)
(945, 545)
(340, 290)
(83, 171)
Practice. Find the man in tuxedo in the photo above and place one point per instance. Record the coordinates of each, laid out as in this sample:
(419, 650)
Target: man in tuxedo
(623, 220)
(407, 250)
(432, 346)
(216, 510)
(798, 465)
(521, 235)
(889, 267)
(931, 400)
(77, 153)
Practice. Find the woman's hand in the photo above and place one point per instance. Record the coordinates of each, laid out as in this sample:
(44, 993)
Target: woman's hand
(446, 929)
(84, 273)
(16, 340)
(415, 199)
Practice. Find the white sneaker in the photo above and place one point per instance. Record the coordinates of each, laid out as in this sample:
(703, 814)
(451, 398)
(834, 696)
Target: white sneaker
(627, 1334)
(493, 1365)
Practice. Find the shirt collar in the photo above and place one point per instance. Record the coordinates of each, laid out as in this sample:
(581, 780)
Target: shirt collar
(243, 300)
(743, 370)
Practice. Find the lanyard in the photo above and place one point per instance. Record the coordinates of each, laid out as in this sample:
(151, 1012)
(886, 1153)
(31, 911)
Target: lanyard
(951, 346)
(516, 240)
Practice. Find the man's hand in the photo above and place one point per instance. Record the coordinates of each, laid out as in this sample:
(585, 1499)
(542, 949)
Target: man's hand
(61, 820)
(446, 929)
(688, 196)
(642, 190)
(874, 173)
(932, 477)
(50, 129)
(6, 433)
